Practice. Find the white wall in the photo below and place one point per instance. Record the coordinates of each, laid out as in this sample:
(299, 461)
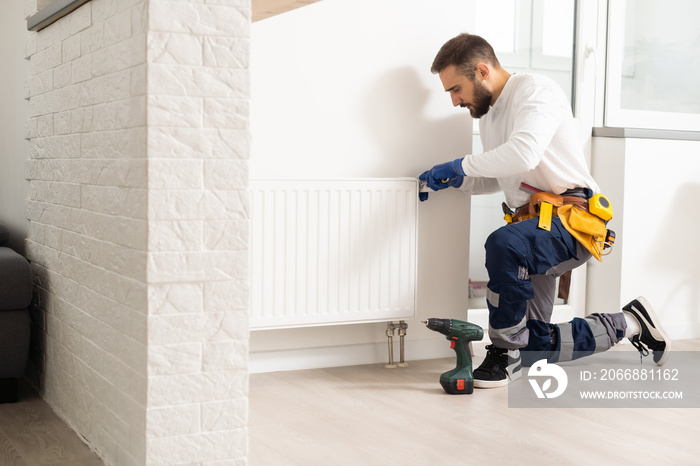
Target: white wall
(343, 89)
(654, 185)
(13, 147)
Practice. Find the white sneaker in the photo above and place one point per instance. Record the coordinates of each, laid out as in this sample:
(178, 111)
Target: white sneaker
(652, 336)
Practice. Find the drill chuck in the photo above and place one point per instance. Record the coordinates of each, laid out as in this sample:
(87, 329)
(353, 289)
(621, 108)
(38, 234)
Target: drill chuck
(443, 326)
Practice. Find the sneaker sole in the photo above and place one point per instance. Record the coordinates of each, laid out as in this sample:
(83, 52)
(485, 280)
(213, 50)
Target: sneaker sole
(656, 325)
(490, 383)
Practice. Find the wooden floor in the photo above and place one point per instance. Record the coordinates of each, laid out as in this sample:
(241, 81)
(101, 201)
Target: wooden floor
(31, 434)
(369, 415)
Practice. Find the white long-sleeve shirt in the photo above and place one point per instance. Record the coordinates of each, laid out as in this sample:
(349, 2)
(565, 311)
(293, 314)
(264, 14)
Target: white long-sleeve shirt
(529, 135)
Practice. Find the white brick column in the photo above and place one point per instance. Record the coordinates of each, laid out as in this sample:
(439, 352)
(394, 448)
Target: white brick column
(198, 92)
(138, 233)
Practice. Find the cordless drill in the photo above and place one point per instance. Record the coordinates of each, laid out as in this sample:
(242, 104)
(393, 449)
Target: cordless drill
(459, 380)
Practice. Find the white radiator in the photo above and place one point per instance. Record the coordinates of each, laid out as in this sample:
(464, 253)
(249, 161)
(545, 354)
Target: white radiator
(331, 252)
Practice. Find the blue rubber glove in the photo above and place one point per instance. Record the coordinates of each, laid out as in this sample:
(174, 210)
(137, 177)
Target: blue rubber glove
(444, 175)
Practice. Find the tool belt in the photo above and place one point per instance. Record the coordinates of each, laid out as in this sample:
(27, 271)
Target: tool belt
(532, 209)
(572, 208)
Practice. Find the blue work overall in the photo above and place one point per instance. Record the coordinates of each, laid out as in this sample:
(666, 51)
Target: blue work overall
(523, 263)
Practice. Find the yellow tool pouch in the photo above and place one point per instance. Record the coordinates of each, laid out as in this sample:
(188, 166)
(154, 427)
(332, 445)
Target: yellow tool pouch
(587, 228)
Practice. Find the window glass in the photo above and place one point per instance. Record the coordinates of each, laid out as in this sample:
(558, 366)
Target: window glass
(661, 56)
(557, 28)
(653, 65)
(499, 20)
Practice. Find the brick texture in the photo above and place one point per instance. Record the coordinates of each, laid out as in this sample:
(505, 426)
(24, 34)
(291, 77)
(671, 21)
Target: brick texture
(138, 233)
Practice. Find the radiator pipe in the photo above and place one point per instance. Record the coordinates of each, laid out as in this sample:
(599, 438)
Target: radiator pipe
(390, 328)
(403, 326)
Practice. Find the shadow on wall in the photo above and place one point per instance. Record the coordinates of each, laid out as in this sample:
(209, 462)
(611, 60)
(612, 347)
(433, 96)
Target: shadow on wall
(15, 240)
(396, 108)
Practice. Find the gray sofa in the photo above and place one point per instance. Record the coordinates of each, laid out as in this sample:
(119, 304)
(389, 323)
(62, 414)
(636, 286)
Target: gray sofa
(15, 297)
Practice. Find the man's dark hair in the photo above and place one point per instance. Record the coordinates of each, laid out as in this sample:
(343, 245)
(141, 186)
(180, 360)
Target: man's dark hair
(465, 52)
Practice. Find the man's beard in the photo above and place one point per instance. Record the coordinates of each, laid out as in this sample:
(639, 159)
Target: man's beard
(482, 101)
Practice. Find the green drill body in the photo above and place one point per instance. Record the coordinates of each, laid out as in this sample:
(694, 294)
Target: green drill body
(459, 380)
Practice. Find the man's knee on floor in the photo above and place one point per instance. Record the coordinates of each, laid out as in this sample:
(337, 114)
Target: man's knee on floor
(542, 343)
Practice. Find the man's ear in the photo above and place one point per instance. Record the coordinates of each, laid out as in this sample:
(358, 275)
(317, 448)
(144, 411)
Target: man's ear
(482, 71)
